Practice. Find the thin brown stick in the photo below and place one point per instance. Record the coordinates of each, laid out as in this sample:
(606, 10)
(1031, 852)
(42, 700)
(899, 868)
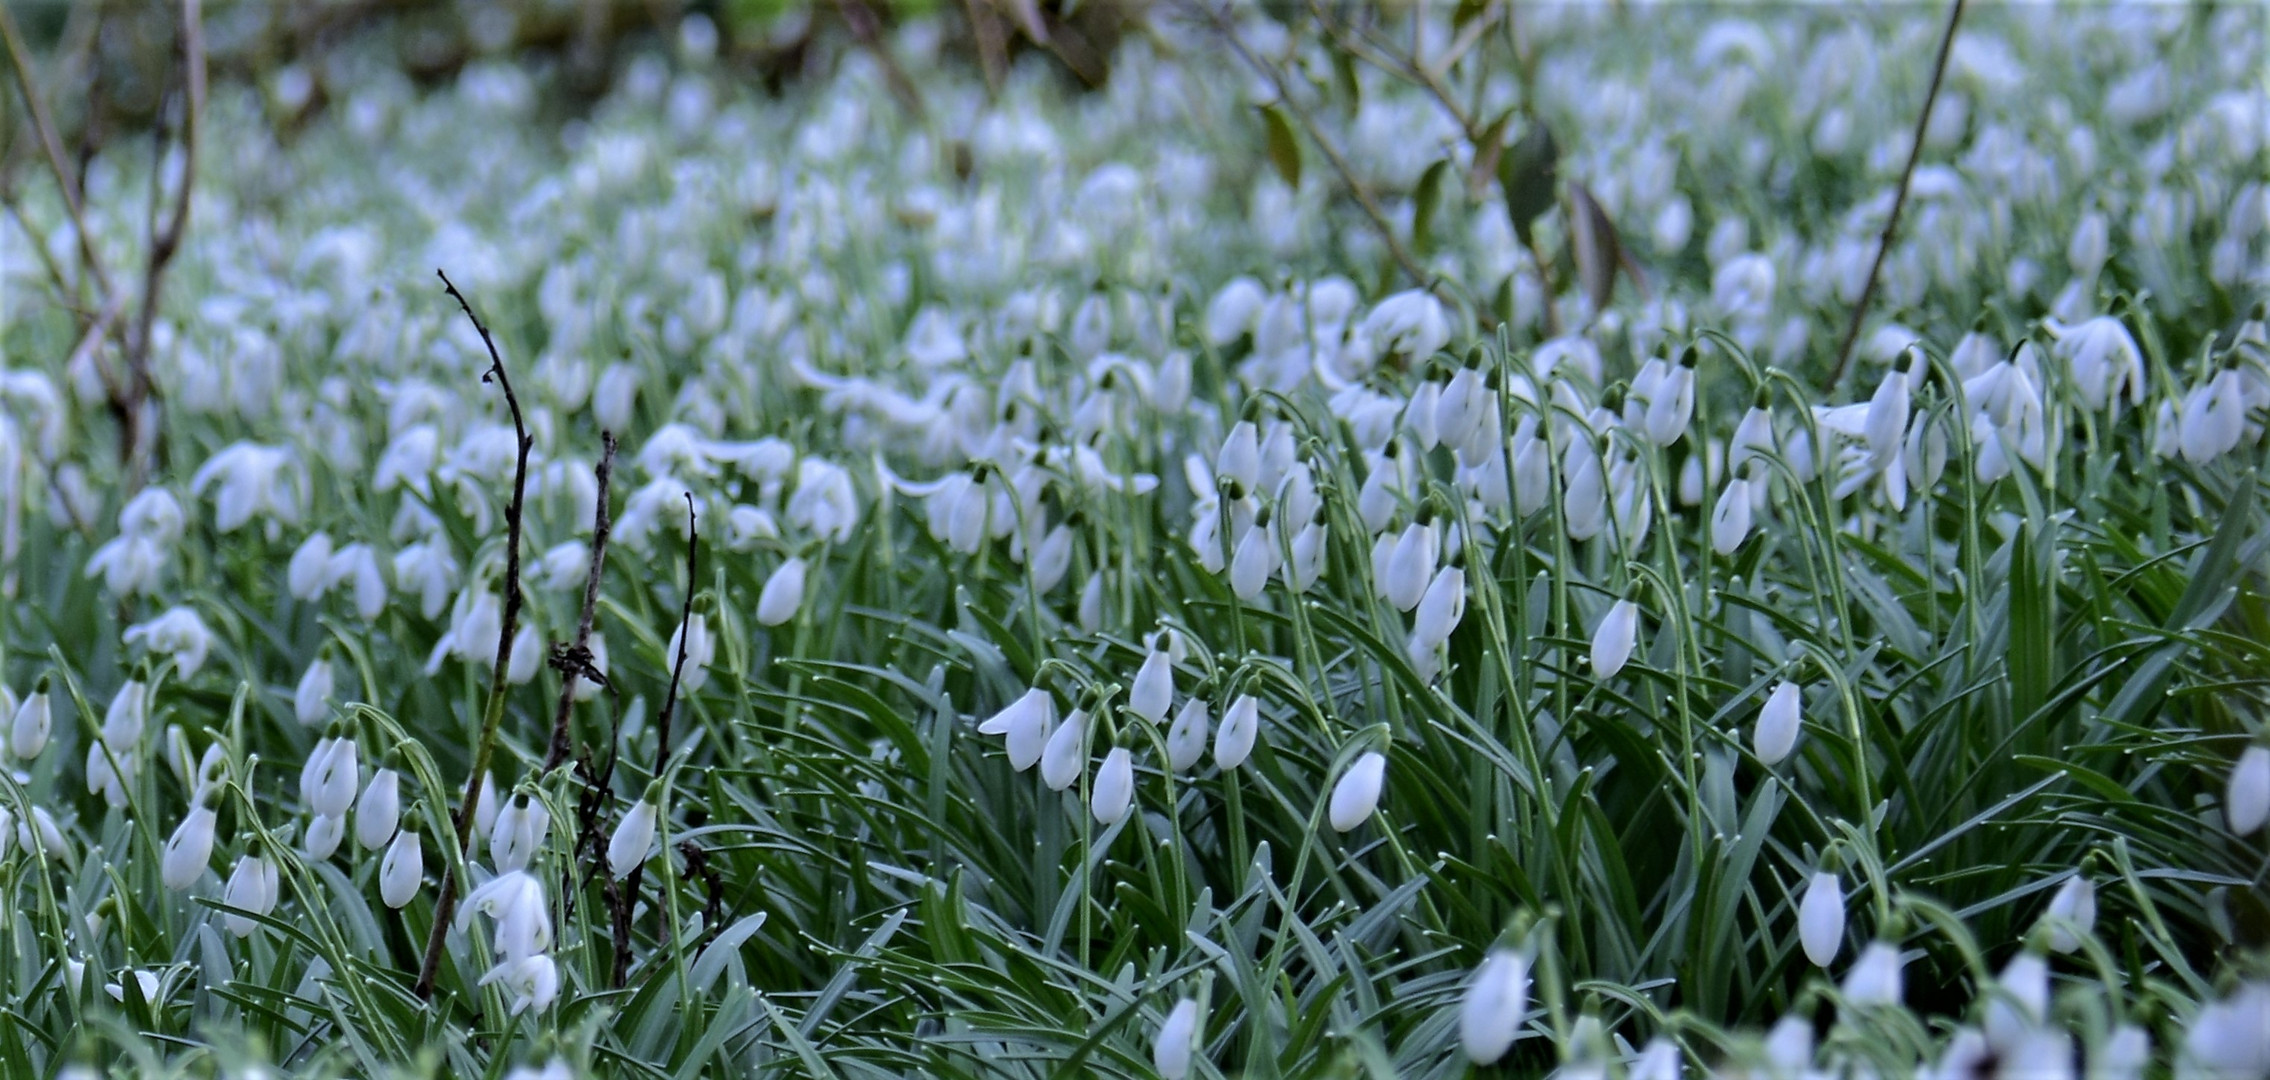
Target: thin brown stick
(576, 661)
(1362, 195)
(20, 58)
(1899, 200)
(137, 444)
(627, 898)
(492, 717)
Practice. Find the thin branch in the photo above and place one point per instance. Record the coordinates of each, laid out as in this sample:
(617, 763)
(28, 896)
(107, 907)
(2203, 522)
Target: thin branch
(446, 905)
(1899, 200)
(164, 243)
(575, 662)
(20, 58)
(627, 897)
(1363, 197)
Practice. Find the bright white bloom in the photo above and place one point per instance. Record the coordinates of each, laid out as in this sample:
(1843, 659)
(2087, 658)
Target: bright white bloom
(402, 870)
(309, 698)
(514, 899)
(2021, 1003)
(634, 838)
(253, 886)
(1441, 608)
(253, 480)
(700, 650)
(1028, 722)
(379, 809)
(1066, 755)
(1820, 919)
(1114, 788)
(1730, 518)
(1178, 1037)
(532, 981)
(180, 632)
(1240, 457)
(1357, 794)
(1410, 567)
(1409, 324)
(189, 849)
(1658, 1060)
(1241, 726)
(331, 790)
(1613, 639)
(783, 593)
(129, 710)
(1253, 562)
(1875, 977)
(1153, 691)
(28, 731)
(2230, 1039)
(2103, 361)
(309, 573)
(1490, 1013)
(323, 835)
(522, 823)
(2072, 913)
(1186, 738)
(1778, 723)
(2247, 802)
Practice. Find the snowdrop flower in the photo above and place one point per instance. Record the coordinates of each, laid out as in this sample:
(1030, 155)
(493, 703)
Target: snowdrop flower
(309, 573)
(379, 810)
(2072, 913)
(2213, 419)
(179, 632)
(1441, 608)
(2021, 1004)
(1875, 977)
(134, 560)
(1090, 612)
(1255, 559)
(1410, 324)
(565, 566)
(2103, 360)
(783, 593)
(824, 503)
(1066, 755)
(1240, 458)
(109, 773)
(189, 849)
(1459, 408)
(1584, 491)
(1357, 794)
(2228, 1038)
(1490, 1013)
(634, 837)
(28, 731)
(314, 690)
(1410, 567)
(525, 656)
(519, 833)
(1778, 724)
(1672, 404)
(700, 650)
(323, 835)
(1658, 1060)
(1028, 722)
(614, 396)
(330, 790)
(402, 870)
(1730, 518)
(252, 480)
(1178, 1036)
(1241, 726)
(1820, 919)
(2247, 802)
(122, 723)
(148, 982)
(1186, 737)
(1114, 788)
(359, 564)
(1153, 691)
(1052, 559)
(427, 570)
(1613, 639)
(533, 981)
(252, 886)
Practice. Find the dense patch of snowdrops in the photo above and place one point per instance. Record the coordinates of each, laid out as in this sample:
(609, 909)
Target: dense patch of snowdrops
(1133, 626)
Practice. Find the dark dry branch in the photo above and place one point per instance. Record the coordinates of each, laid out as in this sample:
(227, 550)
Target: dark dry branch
(1418, 274)
(575, 663)
(139, 439)
(627, 896)
(446, 905)
(1899, 199)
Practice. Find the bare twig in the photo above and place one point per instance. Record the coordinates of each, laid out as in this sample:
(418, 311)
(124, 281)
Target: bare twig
(1417, 273)
(1899, 200)
(627, 897)
(20, 58)
(446, 905)
(576, 661)
(137, 444)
